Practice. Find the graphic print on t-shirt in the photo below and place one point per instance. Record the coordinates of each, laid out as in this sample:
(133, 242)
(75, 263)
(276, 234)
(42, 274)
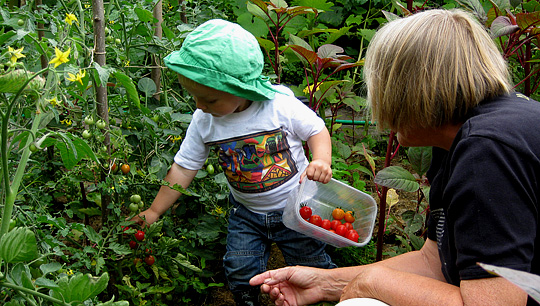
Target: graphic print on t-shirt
(258, 162)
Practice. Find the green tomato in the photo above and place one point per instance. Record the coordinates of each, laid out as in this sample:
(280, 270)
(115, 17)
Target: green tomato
(133, 207)
(109, 39)
(86, 134)
(20, 22)
(101, 124)
(210, 169)
(112, 121)
(33, 148)
(118, 41)
(141, 205)
(12, 223)
(89, 120)
(135, 198)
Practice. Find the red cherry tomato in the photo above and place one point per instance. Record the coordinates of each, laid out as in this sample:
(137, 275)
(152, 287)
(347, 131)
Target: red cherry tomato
(133, 244)
(139, 235)
(341, 230)
(348, 225)
(315, 220)
(334, 224)
(305, 212)
(150, 259)
(326, 224)
(352, 235)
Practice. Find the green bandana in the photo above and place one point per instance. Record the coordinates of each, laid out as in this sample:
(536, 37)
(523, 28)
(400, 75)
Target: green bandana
(222, 55)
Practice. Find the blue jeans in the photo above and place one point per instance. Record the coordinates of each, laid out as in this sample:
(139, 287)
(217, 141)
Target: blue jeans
(249, 240)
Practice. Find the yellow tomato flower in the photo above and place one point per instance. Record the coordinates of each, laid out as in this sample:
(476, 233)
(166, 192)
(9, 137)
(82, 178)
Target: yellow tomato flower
(15, 54)
(76, 78)
(176, 138)
(53, 101)
(127, 63)
(70, 18)
(69, 272)
(309, 89)
(66, 122)
(219, 210)
(60, 58)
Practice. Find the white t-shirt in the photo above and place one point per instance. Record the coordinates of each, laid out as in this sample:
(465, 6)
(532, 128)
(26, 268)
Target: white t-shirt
(260, 148)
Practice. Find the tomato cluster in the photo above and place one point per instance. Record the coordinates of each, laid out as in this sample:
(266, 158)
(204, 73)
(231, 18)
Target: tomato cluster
(340, 222)
(137, 237)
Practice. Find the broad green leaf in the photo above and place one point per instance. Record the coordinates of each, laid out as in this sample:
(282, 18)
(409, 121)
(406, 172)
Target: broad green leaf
(280, 3)
(390, 16)
(320, 5)
(93, 211)
(148, 86)
(370, 159)
(128, 84)
(502, 26)
(335, 35)
(50, 267)
(144, 15)
(417, 242)
(46, 283)
(329, 50)
(475, 7)
(103, 74)
(502, 5)
(528, 282)
(120, 249)
(18, 245)
(20, 273)
(258, 8)
(398, 178)
(266, 44)
(80, 287)
(295, 40)
(182, 261)
(341, 149)
(420, 158)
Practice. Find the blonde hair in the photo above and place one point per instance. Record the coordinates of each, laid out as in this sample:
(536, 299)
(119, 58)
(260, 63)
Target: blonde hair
(430, 69)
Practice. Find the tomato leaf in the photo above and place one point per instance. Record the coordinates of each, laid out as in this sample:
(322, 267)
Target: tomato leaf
(18, 245)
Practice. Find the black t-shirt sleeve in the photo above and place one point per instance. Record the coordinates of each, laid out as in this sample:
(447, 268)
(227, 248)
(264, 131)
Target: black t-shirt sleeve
(490, 196)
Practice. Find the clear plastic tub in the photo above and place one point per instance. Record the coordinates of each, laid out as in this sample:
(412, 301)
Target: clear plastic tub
(323, 199)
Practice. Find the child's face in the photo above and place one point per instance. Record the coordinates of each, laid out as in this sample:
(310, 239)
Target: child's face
(215, 102)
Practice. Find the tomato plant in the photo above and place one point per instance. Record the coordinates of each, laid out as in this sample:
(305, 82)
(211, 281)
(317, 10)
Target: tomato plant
(305, 212)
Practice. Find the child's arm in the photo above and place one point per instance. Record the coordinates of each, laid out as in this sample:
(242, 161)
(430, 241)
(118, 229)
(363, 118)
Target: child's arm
(166, 196)
(319, 169)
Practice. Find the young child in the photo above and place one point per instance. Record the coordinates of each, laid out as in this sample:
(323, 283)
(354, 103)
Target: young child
(259, 129)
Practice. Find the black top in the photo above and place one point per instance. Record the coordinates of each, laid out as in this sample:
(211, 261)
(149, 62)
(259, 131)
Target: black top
(485, 193)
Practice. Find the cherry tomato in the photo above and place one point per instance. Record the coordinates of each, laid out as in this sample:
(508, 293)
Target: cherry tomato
(326, 224)
(20, 22)
(125, 168)
(349, 217)
(150, 259)
(133, 207)
(101, 124)
(86, 134)
(315, 220)
(136, 261)
(305, 212)
(124, 229)
(334, 224)
(89, 120)
(133, 244)
(348, 225)
(352, 235)
(139, 235)
(114, 168)
(135, 198)
(33, 148)
(338, 213)
(210, 169)
(341, 230)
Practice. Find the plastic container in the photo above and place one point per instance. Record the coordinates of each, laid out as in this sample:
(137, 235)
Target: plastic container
(323, 199)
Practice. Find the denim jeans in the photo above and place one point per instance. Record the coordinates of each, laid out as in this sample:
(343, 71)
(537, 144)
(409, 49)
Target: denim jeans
(249, 240)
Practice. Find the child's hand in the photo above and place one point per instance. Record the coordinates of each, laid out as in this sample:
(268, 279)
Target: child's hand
(318, 170)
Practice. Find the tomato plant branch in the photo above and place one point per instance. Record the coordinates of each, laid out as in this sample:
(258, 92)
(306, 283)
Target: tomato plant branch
(32, 292)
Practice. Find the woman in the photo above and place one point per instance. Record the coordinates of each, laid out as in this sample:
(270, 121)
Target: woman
(438, 79)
